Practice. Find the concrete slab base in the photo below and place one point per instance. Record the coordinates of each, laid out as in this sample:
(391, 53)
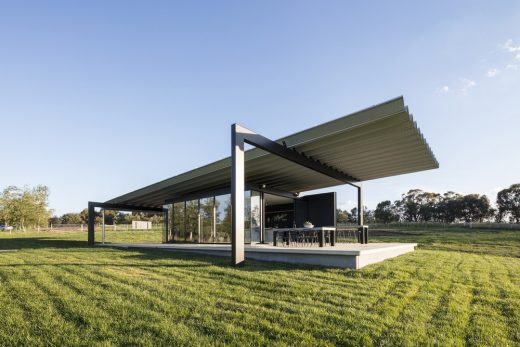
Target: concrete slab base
(345, 255)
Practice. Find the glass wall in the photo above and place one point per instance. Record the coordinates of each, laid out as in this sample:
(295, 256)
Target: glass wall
(192, 221)
(178, 221)
(208, 220)
(256, 216)
(223, 218)
(247, 216)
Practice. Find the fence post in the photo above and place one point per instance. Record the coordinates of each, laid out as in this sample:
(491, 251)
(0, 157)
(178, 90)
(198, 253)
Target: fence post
(103, 226)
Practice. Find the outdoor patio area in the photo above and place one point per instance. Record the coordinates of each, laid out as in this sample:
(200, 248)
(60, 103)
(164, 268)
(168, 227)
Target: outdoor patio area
(345, 255)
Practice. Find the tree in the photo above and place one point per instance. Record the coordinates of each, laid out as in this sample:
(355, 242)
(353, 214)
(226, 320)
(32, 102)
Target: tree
(368, 216)
(508, 202)
(24, 207)
(411, 205)
(84, 216)
(475, 208)
(54, 220)
(449, 207)
(352, 216)
(342, 216)
(385, 212)
(71, 218)
(428, 203)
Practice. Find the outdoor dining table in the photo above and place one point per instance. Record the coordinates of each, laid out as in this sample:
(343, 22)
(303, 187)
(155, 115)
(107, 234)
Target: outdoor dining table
(322, 232)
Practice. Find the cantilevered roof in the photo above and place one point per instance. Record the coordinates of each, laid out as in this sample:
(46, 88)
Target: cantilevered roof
(377, 142)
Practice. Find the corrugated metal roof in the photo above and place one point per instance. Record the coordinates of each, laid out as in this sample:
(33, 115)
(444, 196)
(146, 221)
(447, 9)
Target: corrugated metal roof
(376, 142)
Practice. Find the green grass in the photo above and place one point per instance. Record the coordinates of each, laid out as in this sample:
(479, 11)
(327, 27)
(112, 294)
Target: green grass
(459, 288)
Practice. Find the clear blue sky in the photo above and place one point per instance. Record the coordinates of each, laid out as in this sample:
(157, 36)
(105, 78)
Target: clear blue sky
(98, 98)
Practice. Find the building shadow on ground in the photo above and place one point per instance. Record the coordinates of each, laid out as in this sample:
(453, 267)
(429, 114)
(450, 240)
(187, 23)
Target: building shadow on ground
(163, 257)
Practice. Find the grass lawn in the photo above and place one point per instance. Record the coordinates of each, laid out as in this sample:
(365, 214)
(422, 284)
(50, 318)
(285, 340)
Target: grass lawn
(460, 288)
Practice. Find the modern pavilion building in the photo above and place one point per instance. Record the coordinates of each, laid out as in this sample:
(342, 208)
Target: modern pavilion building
(243, 198)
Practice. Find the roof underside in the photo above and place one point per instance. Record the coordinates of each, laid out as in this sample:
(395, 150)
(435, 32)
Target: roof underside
(377, 142)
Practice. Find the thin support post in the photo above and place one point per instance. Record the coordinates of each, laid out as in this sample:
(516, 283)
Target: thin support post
(166, 225)
(262, 217)
(362, 229)
(237, 196)
(360, 207)
(214, 225)
(103, 226)
(91, 220)
(199, 222)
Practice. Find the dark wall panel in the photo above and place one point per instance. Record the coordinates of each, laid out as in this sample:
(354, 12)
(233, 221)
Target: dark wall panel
(321, 209)
(300, 212)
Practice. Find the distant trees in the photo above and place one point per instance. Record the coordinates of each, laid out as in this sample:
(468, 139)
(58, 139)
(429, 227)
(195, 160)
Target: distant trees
(508, 203)
(449, 207)
(386, 212)
(28, 207)
(24, 207)
(341, 216)
(71, 218)
(420, 206)
(475, 208)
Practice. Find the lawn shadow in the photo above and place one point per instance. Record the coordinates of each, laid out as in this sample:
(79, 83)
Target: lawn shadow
(145, 254)
(16, 243)
(250, 265)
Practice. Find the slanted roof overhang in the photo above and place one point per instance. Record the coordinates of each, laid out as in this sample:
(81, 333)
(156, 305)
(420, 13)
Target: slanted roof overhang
(377, 142)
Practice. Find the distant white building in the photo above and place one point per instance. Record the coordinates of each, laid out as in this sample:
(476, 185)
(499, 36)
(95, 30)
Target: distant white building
(141, 225)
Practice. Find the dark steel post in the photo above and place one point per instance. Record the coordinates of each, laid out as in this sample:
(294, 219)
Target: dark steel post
(173, 222)
(166, 229)
(185, 224)
(91, 221)
(237, 195)
(262, 217)
(360, 205)
(322, 237)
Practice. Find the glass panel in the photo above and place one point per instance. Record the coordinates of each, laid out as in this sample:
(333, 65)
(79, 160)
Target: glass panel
(256, 217)
(247, 216)
(223, 218)
(192, 221)
(206, 219)
(168, 226)
(178, 221)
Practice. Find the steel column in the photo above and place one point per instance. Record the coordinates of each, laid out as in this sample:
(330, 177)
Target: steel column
(103, 226)
(360, 205)
(91, 221)
(262, 217)
(362, 230)
(166, 225)
(237, 196)
(214, 226)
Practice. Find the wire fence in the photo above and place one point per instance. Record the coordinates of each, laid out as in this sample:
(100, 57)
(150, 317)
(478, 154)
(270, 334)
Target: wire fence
(446, 226)
(98, 226)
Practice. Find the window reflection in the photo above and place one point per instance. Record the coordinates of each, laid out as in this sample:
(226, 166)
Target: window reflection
(208, 220)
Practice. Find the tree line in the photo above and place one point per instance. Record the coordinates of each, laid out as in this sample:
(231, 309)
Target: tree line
(420, 206)
(26, 207)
